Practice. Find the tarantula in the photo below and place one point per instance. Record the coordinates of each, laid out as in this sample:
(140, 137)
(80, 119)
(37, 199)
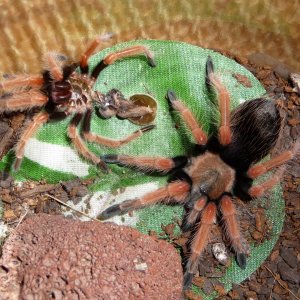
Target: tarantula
(221, 167)
(60, 91)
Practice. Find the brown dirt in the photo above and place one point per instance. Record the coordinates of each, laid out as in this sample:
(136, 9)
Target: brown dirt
(278, 278)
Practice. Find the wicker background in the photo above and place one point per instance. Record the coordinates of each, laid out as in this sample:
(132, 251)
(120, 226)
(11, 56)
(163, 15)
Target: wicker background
(29, 28)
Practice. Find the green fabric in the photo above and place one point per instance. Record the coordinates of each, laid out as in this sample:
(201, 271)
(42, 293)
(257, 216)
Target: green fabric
(180, 67)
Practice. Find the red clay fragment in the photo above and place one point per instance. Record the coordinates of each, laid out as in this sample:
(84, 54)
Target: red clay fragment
(54, 257)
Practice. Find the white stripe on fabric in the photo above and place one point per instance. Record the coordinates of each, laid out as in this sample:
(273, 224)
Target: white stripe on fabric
(56, 157)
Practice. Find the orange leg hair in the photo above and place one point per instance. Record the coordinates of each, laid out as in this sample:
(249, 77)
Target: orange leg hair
(94, 138)
(80, 145)
(22, 101)
(258, 190)
(267, 166)
(194, 213)
(37, 121)
(233, 229)
(177, 191)
(91, 49)
(130, 51)
(54, 63)
(188, 118)
(199, 242)
(146, 163)
(22, 81)
(112, 57)
(223, 102)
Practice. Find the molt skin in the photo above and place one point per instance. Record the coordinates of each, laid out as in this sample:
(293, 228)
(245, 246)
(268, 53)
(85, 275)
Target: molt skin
(60, 92)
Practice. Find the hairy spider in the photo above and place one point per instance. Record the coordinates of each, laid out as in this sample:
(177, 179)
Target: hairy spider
(60, 91)
(222, 167)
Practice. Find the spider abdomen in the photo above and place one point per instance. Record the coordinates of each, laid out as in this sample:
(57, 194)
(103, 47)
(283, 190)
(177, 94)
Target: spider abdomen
(255, 126)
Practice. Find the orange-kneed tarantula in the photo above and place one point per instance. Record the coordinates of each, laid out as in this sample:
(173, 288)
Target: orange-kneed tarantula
(60, 91)
(221, 167)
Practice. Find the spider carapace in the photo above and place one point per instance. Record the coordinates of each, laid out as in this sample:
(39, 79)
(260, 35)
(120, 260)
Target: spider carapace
(61, 91)
(223, 166)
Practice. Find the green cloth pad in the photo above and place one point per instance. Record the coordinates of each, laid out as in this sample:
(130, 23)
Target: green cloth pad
(180, 67)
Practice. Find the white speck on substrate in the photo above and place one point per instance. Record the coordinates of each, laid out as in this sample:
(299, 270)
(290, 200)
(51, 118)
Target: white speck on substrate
(101, 200)
(219, 252)
(141, 267)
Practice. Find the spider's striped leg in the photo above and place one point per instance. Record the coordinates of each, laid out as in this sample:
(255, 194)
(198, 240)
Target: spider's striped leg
(199, 242)
(188, 118)
(233, 230)
(223, 103)
(22, 101)
(91, 49)
(258, 190)
(54, 63)
(80, 145)
(147, 163)
(192, 216)
(175, 191)
(272, 163)
(94, 138)
(24, 81)
(37, 121)
(127, 52)
(279, 161)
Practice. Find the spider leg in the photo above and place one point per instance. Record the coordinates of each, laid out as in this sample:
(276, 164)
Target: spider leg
(127, 52)
(267, 166)
(199, 242)
(176, 190)
(147, 163)
(37, 121)
(193, 215)
(94, 138)
(188, 118)
(135, 111)
(22, 81)
(90, 50)
(280, 161)
(232, 229)
(22, 101)
(53, 62)
(258, 190)
(223, 103)
(79, 144)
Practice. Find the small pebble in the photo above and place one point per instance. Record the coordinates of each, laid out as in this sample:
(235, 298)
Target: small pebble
(295, 78)
(141, 267)
(220, 253)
